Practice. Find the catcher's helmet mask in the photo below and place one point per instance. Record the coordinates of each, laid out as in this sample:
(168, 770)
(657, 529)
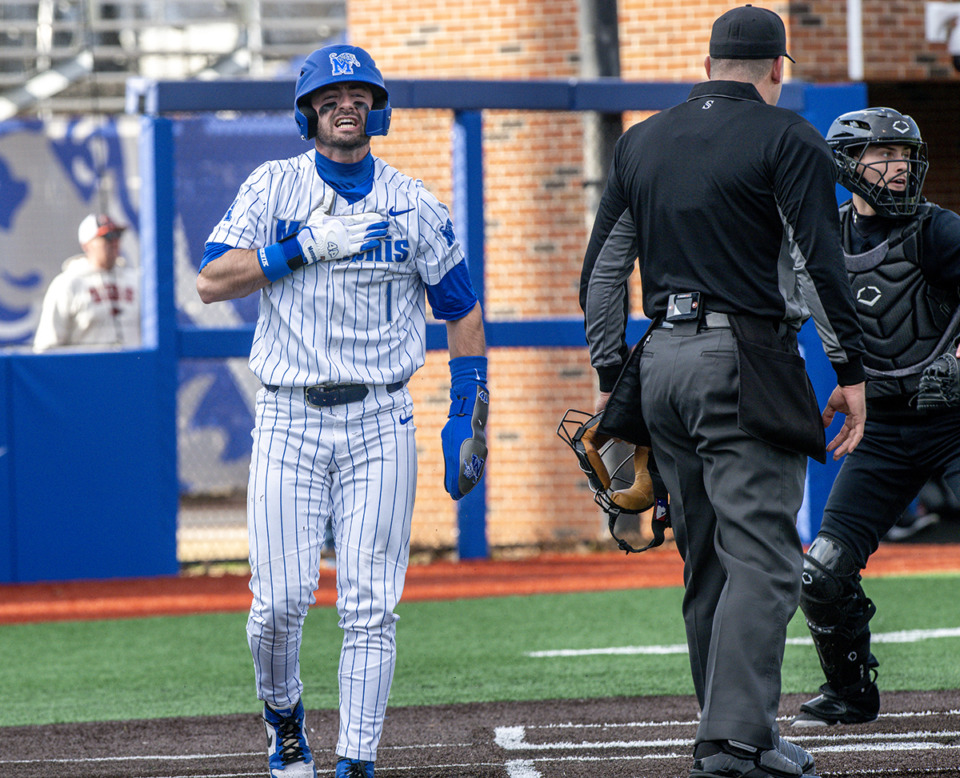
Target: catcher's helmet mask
(338, 64)
(849, 137)
(611, 474)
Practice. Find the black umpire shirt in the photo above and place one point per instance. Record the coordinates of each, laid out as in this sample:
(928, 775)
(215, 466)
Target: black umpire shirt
(733, 198)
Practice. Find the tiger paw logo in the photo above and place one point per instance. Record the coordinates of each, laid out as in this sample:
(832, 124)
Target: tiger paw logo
(473, 469)
(343, 63)
(447, 231)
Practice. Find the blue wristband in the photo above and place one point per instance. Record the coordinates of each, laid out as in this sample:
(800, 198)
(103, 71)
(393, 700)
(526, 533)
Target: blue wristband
(468, 370)
(280, 258)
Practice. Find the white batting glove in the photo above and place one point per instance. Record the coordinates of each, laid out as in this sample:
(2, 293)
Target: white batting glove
(327, 238)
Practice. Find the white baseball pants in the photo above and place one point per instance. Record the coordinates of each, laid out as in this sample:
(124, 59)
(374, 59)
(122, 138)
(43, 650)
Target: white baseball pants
(357, 464)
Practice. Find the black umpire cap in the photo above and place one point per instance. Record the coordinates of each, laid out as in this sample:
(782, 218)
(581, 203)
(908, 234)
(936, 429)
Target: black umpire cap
(749, 33)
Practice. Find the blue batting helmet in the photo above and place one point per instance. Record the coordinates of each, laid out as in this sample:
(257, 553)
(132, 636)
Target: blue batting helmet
(333, 65)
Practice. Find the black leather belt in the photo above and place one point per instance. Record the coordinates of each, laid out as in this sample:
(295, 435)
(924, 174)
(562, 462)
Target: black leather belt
(327, 394)
(709, 320)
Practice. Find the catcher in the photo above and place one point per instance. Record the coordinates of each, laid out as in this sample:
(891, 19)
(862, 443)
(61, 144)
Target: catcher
(903, 261)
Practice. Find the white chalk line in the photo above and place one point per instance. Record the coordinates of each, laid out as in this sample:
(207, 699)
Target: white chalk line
(197, 757)
(526, 768)
(514, 739)
(903, 636)
(132, 758)
(257, 773)
(695, 722)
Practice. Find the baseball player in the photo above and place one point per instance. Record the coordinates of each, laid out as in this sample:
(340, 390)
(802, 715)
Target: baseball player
(903, 261)
(345, 252)
(95, 301)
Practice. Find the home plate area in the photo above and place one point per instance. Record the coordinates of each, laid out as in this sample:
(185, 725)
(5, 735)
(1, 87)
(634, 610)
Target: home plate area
(917, 734)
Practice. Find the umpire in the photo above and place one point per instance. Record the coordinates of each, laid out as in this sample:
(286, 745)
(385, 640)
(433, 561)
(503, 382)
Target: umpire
(732, 207)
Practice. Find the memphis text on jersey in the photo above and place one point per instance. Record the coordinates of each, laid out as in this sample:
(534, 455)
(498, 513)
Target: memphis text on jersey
(387, 250)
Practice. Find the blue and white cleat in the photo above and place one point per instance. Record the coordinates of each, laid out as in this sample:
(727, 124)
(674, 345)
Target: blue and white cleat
(353, 768)
(287, 746)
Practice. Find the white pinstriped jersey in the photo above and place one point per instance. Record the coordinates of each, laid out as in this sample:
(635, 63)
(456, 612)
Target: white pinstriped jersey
(359, 320)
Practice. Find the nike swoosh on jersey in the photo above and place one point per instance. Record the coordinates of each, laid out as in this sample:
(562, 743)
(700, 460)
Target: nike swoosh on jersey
(395, 212)
(405, 419)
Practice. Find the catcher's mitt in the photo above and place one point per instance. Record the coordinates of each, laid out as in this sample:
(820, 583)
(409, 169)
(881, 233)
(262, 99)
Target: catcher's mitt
(619, 474)
(940, 384)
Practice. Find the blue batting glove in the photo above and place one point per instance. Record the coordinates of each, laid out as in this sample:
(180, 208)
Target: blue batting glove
(464, 435)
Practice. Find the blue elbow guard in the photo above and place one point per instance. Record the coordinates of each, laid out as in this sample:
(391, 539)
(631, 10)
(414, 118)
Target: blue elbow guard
(464, 435)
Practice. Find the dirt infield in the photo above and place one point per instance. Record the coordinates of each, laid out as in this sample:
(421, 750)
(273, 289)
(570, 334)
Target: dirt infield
(544, 573)
(918, 734)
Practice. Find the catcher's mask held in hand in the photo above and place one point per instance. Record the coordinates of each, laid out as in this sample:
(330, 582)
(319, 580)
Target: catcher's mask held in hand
(618, 474)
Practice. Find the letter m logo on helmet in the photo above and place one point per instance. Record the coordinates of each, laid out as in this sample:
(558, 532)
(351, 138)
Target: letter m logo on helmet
(343, 63)
(333, 65)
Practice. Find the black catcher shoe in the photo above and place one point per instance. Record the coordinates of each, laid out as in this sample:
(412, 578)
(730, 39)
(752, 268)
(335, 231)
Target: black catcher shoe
(857, 707)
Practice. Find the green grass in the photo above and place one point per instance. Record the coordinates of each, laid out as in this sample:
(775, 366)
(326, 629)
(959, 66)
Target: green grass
(461, 651)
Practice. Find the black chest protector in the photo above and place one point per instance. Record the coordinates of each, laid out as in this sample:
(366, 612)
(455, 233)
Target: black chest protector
(906, 322)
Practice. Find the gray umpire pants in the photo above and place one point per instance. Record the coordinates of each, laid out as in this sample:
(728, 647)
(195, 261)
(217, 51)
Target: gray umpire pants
(733, 505)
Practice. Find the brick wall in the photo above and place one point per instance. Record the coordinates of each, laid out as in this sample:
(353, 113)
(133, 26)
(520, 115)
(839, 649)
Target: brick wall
(894, 48)
(664, 41)
(536, 231)
(901, 69)
(536, 220)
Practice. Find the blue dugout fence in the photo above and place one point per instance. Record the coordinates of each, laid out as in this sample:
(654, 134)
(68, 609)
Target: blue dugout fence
(78, 528)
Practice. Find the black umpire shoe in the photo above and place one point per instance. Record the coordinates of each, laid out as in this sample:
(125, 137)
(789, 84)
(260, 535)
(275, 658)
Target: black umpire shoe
(794, 753)
(831, 708)
(739, 760)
